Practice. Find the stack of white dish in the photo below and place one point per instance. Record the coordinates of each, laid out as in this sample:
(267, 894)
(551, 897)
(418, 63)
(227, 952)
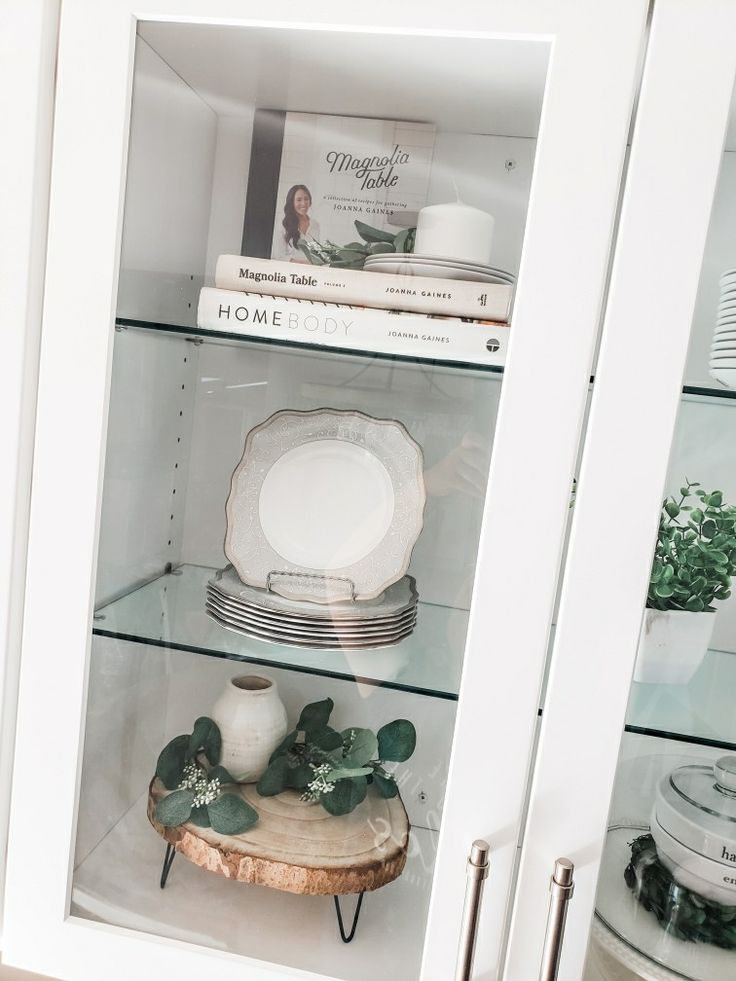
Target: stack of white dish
(379, 622)
(411, 264)
(723, 350)
(323, 513)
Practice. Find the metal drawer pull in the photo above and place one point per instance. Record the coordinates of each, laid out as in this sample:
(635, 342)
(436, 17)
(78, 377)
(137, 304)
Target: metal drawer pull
(477, 872)
(561, 887)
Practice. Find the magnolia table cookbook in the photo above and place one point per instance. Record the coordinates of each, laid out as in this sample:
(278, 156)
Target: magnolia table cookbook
(312, 175)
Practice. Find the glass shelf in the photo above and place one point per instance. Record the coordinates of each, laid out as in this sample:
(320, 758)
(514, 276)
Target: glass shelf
(222, 337)
(708, 394)
(169, 612)
(694, 393)
(700, 712)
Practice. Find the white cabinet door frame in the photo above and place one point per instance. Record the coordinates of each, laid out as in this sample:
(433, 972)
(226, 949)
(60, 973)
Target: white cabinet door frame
(587, 105)
(675, 157)
(28, 41)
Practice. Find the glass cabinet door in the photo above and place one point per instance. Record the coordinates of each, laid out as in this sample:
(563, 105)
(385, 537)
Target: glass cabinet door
(294, 554)
(647, 632)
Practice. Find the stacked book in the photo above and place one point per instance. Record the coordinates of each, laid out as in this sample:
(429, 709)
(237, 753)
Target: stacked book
(411, 316)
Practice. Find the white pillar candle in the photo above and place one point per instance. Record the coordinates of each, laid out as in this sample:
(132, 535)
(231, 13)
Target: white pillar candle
(454, 231)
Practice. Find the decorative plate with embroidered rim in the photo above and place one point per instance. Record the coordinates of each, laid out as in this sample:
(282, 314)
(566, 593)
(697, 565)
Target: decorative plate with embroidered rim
(325, 505)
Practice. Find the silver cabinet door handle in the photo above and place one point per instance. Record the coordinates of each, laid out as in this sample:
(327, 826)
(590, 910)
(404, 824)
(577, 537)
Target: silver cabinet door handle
(561, 887)
(477, 872)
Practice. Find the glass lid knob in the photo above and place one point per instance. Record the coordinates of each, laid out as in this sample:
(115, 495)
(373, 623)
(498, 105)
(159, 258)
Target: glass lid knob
(725, 772)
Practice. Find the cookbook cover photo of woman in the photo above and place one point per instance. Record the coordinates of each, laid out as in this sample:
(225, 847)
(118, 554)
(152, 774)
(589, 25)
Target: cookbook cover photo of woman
(297, 224)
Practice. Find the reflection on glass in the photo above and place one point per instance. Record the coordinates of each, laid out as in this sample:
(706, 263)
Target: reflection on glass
(666, 900)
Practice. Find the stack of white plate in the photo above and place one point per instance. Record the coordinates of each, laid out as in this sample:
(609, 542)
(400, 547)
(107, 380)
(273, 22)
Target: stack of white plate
(411, 264)
(324, 510)
(723, 349)
(380, 622)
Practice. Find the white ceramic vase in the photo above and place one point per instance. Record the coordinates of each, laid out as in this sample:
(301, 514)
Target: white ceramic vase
(252, 721)
(672, 644)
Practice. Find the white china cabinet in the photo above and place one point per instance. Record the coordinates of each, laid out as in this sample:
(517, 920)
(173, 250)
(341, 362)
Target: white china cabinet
(652, 857)
(142, 418)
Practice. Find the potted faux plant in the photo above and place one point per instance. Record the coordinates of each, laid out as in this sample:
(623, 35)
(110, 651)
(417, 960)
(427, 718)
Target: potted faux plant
(694, 562)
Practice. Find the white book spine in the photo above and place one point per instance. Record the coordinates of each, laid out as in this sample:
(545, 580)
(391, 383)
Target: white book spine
(417, 294)
(352, 328)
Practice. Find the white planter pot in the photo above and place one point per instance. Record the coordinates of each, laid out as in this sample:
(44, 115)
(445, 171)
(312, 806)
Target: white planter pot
(672, 643)
(252, 721)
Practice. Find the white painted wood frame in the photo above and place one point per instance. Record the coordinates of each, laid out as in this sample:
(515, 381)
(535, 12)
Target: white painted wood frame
(591, 86)
(675, 158)
(28, 40)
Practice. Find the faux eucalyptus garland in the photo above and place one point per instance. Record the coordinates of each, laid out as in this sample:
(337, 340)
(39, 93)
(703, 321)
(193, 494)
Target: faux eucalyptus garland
(680, 911)
(189, 767)
(695, 557)
(353, 255)
(334, 768)
(329, 767)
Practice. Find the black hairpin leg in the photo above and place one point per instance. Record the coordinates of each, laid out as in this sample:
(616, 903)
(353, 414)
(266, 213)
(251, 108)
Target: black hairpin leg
(347, 938)
(168, 862)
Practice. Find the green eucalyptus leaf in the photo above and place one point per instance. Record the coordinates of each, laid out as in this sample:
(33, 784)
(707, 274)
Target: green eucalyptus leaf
(316, 715)
(397, 741)
(231, 815)
(200, 817)
(221, 774)
(370, 234)
(386, 787)
(275, 778)
(299, 776)
(380, 248)
(717, 557)
(313, 257)
(672, 509)
(206, 738)
(361, 745)
(346, 796)
(326, 739)
(171, 762)
(284, 746)
(695, 605)
(347, 773)
(175, 808)
(663, 590)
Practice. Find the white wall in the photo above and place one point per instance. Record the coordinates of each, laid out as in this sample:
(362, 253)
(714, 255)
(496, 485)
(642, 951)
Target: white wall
(164, 245)
(167, 199)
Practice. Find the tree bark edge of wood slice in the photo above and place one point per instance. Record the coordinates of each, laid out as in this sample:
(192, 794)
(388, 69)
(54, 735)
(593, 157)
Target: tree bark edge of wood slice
(245, 857)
